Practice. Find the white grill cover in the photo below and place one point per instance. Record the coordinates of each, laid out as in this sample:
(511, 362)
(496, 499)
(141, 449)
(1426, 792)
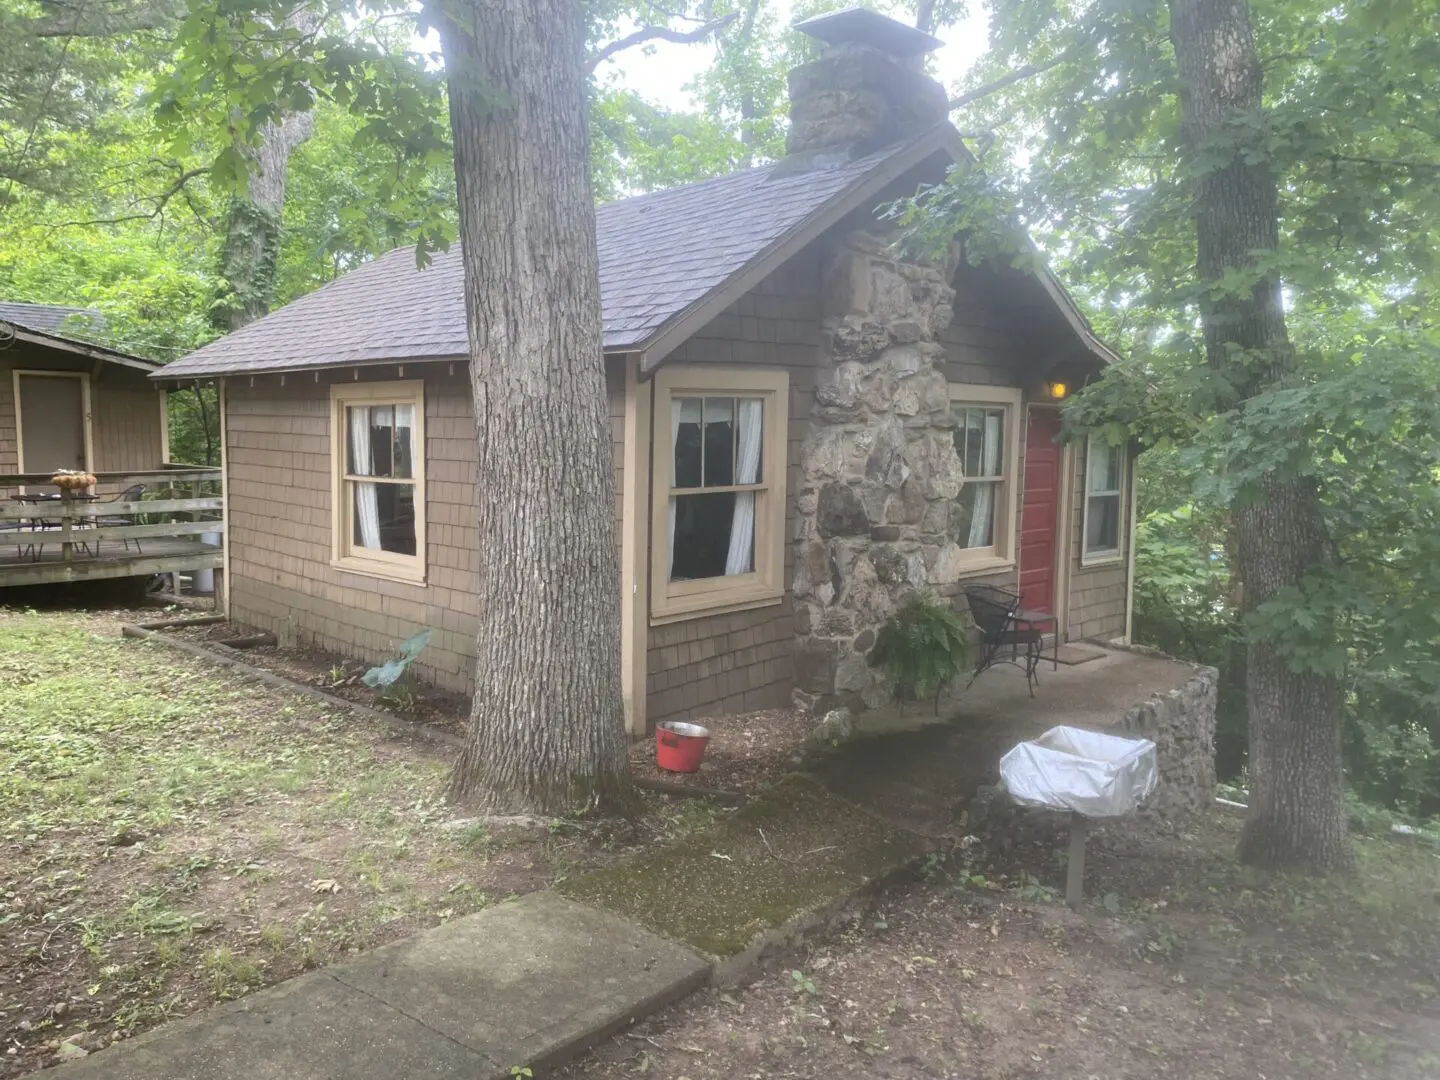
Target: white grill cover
(1073, 769)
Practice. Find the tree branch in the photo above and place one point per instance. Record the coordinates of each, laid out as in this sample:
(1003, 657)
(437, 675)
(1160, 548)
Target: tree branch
(657, 33)
(102, 20)
(1015, 76)
(159, 208)
(1388, 163)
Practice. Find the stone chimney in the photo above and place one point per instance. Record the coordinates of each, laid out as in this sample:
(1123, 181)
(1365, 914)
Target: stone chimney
(876, 510)
(865, 85)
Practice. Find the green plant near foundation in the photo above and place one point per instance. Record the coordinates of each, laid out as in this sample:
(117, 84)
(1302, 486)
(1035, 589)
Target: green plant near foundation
(921, 648)
(389, 680)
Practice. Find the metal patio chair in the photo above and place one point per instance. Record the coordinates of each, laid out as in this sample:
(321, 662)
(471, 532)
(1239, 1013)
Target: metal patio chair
(995, 611)
(131, 494)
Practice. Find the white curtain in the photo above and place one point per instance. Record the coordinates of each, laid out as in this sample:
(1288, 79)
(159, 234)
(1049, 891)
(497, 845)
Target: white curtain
(675, 405)
(747, 471)
(983, 514)
(367, 510)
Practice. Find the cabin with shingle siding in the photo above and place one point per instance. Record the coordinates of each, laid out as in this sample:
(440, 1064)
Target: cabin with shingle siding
(805, 427)
(66, 403)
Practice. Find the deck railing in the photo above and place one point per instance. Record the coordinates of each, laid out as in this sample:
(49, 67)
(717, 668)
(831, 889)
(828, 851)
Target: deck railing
(182, 508)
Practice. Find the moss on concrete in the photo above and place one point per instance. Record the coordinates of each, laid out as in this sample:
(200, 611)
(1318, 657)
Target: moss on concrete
(792, 851)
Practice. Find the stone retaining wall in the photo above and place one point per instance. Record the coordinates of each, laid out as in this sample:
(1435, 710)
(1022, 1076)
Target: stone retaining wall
(1181, 724)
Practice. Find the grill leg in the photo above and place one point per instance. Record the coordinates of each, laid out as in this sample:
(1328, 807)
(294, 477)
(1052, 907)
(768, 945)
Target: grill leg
(1075, 867)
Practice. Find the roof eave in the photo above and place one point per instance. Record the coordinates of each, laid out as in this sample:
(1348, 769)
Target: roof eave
(83, 348)
(165, 374)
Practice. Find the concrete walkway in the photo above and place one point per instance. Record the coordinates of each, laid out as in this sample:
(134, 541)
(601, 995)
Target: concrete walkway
(535, 981)
(524, 983)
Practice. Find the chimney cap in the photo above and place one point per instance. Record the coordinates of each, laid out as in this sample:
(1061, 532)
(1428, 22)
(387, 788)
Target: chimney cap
(858, 25)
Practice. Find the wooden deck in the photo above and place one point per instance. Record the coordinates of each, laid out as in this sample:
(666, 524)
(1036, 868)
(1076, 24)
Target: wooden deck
(160, 555)
(157, 535)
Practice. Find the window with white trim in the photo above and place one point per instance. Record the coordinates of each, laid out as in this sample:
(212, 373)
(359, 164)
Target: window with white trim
(1104, 500)
(719, 481)
(377, 449)
(987, 442)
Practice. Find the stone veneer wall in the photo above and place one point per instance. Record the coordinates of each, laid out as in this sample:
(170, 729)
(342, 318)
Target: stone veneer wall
(879, 476)
(1181, 723)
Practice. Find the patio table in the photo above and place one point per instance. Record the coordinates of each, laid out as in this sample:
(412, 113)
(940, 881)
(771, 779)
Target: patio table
(38, 524)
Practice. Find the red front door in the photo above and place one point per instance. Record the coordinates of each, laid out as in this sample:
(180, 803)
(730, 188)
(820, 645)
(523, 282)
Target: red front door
(1038, 510)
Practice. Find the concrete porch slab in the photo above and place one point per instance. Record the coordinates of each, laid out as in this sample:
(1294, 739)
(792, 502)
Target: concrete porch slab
(527, 982)
(920, 768)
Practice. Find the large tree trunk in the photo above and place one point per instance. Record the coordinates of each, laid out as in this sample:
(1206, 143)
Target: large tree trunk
(547, 731)
(252, 224)
(1297, 809)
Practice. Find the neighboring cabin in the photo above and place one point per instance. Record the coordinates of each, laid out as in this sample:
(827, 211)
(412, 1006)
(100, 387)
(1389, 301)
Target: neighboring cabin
(66, 403)
(805, 426)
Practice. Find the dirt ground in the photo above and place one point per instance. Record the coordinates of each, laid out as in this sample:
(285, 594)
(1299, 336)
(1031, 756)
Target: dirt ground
(171, 836)
(746, 751)
(1183, 965)
(340, 676)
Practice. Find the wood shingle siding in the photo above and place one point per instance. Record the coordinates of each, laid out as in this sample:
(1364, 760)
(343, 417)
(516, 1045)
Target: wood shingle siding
(124, 410)
(1097, 593)
(279, 469)
(739, 661)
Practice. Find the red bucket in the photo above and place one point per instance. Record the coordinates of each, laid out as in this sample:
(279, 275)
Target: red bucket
(679, 747)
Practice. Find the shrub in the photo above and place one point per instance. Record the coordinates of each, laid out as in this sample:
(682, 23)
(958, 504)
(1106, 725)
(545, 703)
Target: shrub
(921, 648)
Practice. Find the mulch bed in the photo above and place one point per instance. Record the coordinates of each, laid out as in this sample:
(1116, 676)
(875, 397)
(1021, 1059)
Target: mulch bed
(335, 674)
(747, 751)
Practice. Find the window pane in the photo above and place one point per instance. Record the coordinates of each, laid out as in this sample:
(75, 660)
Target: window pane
(1102, 524)
(359, 459)
(1104, 474)
(702, 535)
(977, 514)
(685, 429)
(974, 441)
(382, 425)
(404, 442)
(719, 442)
(380, 440)
(992, 444)
(383, 517)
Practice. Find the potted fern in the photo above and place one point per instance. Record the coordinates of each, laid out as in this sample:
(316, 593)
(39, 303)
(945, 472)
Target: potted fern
(921, 649)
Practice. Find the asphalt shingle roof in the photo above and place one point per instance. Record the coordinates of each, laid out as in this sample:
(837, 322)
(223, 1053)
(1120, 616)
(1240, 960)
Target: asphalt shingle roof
(46, 318)
(659, 255)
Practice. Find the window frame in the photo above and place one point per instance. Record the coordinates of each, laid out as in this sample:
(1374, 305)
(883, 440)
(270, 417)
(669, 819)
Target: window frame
(390, 565)
(673, 601)
(1105, 556)
(1000, 555)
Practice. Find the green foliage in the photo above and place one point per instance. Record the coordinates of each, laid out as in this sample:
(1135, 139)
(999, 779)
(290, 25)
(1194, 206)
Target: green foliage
(1181, 578)
(921, 648)
(1087, 154)
(389, 673)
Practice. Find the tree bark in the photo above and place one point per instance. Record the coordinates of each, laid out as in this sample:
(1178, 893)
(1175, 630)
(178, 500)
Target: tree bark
(253, 224)
(1297, 808)
(547, 731)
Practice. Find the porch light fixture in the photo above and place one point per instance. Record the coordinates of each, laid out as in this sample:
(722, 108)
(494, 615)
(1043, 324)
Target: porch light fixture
(1056, 390)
